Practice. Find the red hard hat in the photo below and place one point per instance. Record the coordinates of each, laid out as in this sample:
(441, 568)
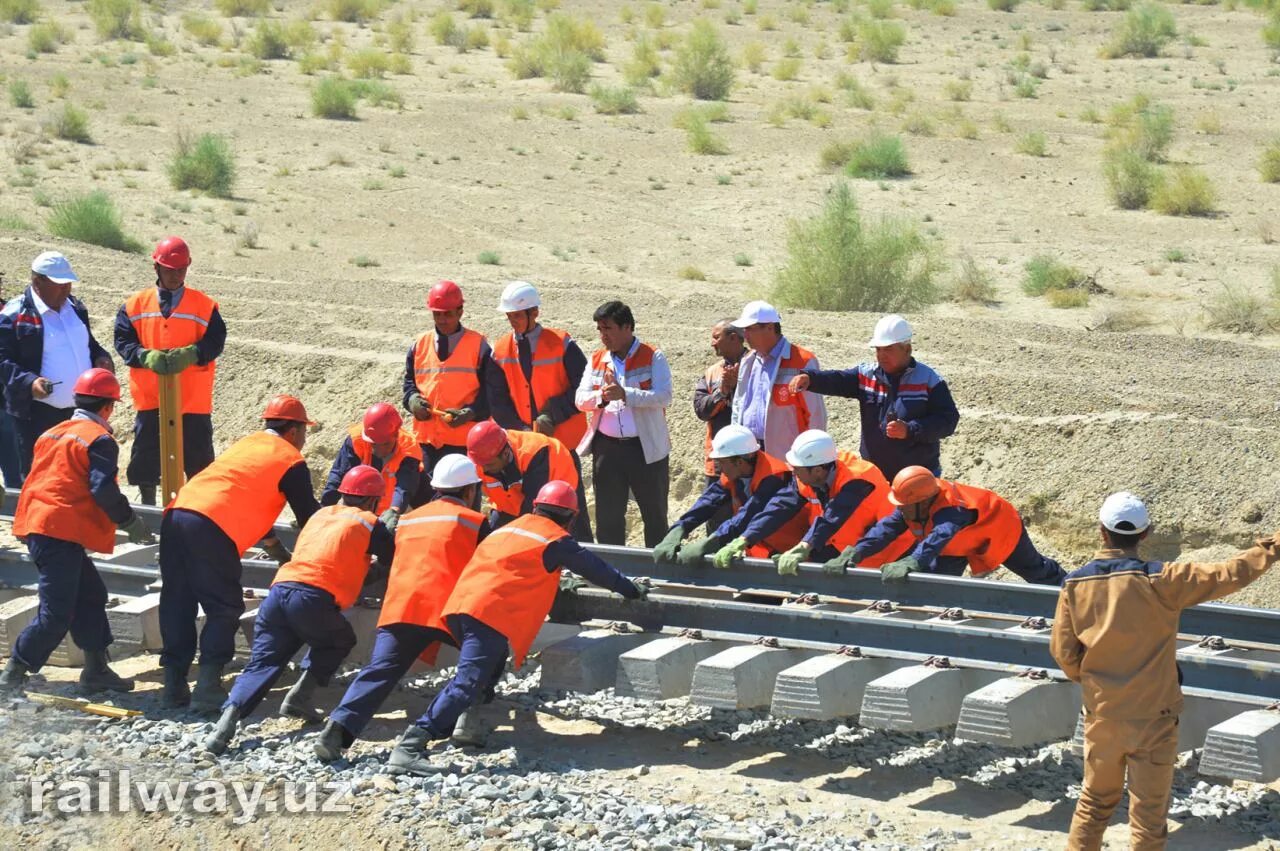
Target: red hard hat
(285, 407)
(172, 253)
(558, 494)
(362, 480)
(98, 382)
(485, 442)
(444, 296)
(381, 422)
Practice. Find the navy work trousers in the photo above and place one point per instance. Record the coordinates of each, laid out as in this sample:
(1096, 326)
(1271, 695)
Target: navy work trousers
(72, 599)
(482, 654)
(199, 566)
(1025, 560)
(395, 648)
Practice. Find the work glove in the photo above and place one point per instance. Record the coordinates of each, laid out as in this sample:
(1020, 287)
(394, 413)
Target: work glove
(841, 563)
(277, 552)
(419, 407)
(390, 518)
(665, 551)
(735, 549)
(156, 361)
(180, 359)
(789, 562)
(692, 553)
(640, 588)
(543, 425)
(571, 582)
(137, 531)
(898, 571)
(461, 416)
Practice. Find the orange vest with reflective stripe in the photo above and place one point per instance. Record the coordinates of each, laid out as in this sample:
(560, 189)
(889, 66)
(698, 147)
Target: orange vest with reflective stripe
(332, 553)
(240, 490)
(990, 539)
(184, 327)
(524, 445)
(451, 383)
(55, 500)
(639, 367)
(850, 468)
(505, 585)
(406, 447)
(550, 379)
(793, 530)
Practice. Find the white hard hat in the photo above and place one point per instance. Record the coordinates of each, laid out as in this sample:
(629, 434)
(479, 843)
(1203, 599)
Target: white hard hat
(812, 448)
(1124, 513)
(889, 330)
(519, 295)
(732, 441)
(454, 471)
(756, 312)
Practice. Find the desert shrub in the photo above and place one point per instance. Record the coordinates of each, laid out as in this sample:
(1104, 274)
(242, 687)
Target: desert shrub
(1143, 126)
(1271, 31)
(958, 90)
(878, 156)
(1185, 191)
(353, 11)
(1044, 274)
(333, 97)
(1238, 309)
(644, 64)
(1002, 5)
(46, 37)
(489, 258)
(1145, 31)
(519, 14)
(702, 66)
(1032, 143)
(268, 41)
(563, 53)
(973, 283)
(701, 138)
(20, 95)
(1269, 162)
(1067, 298)
(369, 63)
(856, 94)
(70, 123)
(19, 11)
(836, 155)
(444, 28)
(116, 18)
(878, 41)
(476, 8)
(614, 101)
(691, 273)
(787, 69)
(1131, 178)
(203, 29)
(205, 163)
(753, 55)
(1106, 5)
(242, 8)
(840, 261)
(94, 219)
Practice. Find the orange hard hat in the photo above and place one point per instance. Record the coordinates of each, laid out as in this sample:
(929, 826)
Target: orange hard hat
(912, 485)
(285, 407)
(557, 494)
(362, 480)
(485, 442)
(172, 253)
(99, 383)
(381, 422)
(444, 296)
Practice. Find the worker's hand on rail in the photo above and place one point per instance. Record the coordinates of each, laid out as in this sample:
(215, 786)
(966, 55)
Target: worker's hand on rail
(665, 551)
(693, 553)
(136, 529)
(641, 586)
(276, 550)
(898, 571)
(789, 562)
(390, 518)
(730, 552)
(841, 563)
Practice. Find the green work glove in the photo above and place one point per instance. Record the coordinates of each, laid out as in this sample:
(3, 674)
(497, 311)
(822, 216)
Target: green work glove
(571, 582)
(735, 549)
(665, 551)
(419, 407)
(390, 518)
(789, 562)
(277, 551)
(692, 553)
(544, 425)
(642, 587)
(841, 563)
(461, 416)
(137, 531)
(156, 361)
(897, 571)
(180, 359)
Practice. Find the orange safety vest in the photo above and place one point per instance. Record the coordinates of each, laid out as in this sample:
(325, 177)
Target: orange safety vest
(550, 379)
(55, 499)
(184, 327)
(793, 530)
(524, 445)
(876, 506)
(639, 367)
(781, 395)
(406, 447)
(713, 378)
(986, 542)
(332, 553)
(505, 585)
(240, 490)
(451, 383)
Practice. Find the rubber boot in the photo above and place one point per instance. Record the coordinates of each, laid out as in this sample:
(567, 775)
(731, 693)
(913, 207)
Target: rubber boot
(147, 494)
(472, 729)
(14, 675)
(177, 693)
(332, 741)
(208, 695)
(97, 676)
(407, 757)
(297, 703)
(224, 731)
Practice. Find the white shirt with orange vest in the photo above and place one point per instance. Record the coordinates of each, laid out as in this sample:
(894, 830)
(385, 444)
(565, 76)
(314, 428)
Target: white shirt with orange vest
(642, 414)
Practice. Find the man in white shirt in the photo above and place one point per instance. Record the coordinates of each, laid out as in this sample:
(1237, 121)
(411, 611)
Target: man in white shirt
(625, 392)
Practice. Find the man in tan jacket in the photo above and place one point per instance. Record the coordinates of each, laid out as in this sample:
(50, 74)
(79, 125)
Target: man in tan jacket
(1114, 633)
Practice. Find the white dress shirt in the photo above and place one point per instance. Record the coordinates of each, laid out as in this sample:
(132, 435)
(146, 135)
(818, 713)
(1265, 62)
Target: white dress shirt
(66, 351)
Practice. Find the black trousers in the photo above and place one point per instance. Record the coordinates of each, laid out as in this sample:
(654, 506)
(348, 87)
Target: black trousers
(39, 419)
(618, 468)
(144, 455)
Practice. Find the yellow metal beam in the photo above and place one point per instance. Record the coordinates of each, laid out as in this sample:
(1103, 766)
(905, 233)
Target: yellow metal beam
(171, 468)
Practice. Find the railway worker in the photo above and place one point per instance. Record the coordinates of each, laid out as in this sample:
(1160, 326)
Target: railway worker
(330, 565)
(168, 329)
(46, 344)
(906, 407)
(70, 504)
(225, 509)
(378, 441)
(713, 400)
(446, 376)
(749, 479)
(434, 543)
(626, 392)
(955, 526)
(1115, 633)
(498, 605)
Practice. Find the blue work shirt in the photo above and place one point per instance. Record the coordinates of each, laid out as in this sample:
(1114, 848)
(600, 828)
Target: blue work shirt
(759, 390)
(407, 476)
(568, 553)
(947, 522)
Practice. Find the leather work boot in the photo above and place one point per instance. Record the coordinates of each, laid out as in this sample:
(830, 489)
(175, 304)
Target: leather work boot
(472, 728)
(208, 695)
(297, 703)
(97, 676)
(224, 731)
(177, 693)
(14, 675)
(408, 757)
(331, 742)
(147, 494)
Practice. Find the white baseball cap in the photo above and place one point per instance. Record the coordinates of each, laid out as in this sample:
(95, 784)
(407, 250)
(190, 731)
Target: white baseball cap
(756, 312)
(890, 330)
(1124, 514)
(55, 267)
